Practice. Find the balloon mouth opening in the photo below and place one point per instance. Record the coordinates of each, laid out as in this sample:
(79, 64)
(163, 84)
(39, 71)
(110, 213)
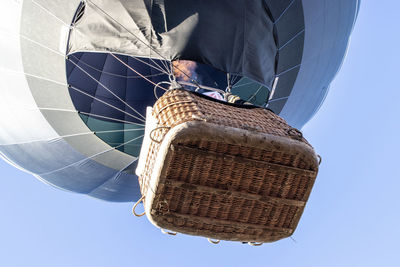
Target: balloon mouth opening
(111, 91)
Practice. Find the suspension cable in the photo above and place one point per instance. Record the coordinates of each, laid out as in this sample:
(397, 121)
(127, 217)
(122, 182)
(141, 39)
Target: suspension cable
(256, 92)
(140, 40)
(148, 64)
(114, 74)
(73, 135)
(93, 156)
(50, 13)
(109, 118)
(92, 115)
(104, 102)
(138, 73)
(105, 87)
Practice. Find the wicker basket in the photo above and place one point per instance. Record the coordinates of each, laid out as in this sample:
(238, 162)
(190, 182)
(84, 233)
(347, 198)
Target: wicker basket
(223, 172)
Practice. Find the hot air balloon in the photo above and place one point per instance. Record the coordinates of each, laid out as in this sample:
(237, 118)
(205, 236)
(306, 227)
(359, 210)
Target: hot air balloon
(76, 76)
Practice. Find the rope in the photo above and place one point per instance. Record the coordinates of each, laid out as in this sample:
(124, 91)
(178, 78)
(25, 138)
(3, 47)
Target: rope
(94, 115)
(140, 40)
(132, 69)
(243, 84)
(168, 232)
(255, 244)
(135, 206)
(78, 90)
(71, 135)
(91, 157)
(33, 75)
(215, 242)
(105, 103)
(289, 69)
(284, 11)
(109, 118)
(158, 85)
(291, 39)
(114, 74)
(90, 114)
(258, 90)
(155, 129)
(148, 64)
(105, 87)
(50, 13)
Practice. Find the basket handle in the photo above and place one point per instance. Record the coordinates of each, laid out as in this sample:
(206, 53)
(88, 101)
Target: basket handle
(255, 244)
(155, 129)
(168, 232)
(215, 242)
(134, 208)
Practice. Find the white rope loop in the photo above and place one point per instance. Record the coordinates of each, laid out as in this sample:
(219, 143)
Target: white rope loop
(255, 244)
(135, 206)
(155, 129)
(319, 159)
(166, 232)
(158, 86)
(214, 242)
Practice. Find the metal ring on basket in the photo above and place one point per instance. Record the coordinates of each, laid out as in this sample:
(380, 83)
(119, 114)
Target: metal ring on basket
(319, 159)
(155, 129)
(168, 232)
(255, 244)
(134, 208)
(215, 242)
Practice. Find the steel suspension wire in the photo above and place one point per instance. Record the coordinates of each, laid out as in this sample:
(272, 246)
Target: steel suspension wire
(109, 90)
(284, 11)
(50, 80)
(104, 102)
(63, 55)
(114, 176)
(32, 75)
(66, 85)
(60, 54)
(93, 156)
(15, 35)
(50, 13)
(243, 84)
(258, 90)
(144, 62)
(72, 135)
(91, 114)
(140, 40)
(77, 89)
(114, 74)
(138, 73)
(109, 118)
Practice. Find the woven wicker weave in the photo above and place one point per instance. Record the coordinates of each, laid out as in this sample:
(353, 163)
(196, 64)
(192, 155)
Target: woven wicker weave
(225, 172)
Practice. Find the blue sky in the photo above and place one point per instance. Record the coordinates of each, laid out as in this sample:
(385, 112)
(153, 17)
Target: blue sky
(352, 218)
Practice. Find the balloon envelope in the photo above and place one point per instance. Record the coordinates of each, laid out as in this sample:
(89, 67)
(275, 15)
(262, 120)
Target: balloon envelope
(76, 78)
